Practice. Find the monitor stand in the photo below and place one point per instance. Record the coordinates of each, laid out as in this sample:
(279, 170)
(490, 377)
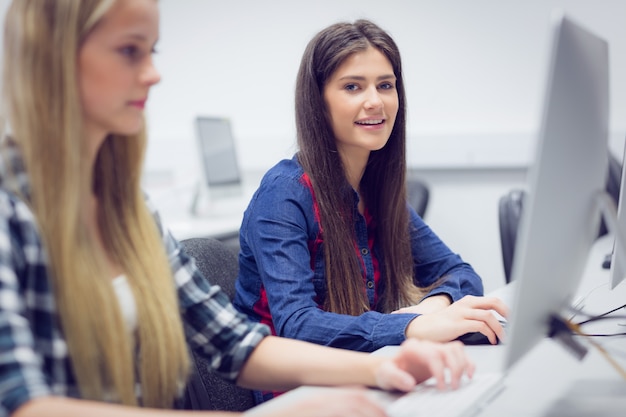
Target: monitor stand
(218, 201)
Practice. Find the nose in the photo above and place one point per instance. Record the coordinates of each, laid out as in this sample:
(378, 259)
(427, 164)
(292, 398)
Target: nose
(149, 74)
(373, 100)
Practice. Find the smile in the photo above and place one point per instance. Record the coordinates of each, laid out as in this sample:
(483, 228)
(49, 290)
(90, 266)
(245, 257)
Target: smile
(370, 122)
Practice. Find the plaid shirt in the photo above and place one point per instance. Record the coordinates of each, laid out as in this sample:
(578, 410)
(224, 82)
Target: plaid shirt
(34, 358)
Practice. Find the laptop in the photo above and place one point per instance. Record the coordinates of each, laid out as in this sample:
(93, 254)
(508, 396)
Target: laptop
(559, 223)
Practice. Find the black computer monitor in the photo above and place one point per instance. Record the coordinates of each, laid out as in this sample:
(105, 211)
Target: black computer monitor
(618, 230)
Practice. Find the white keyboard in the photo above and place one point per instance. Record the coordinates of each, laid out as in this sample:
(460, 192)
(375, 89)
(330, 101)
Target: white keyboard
(427, 400)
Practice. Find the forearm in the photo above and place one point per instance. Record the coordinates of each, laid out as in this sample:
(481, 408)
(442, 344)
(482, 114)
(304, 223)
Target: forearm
(69, 407)
(367, 332)
(282, 364)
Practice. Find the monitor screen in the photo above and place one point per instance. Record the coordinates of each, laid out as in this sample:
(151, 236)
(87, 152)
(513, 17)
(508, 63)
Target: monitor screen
(560, 220)
(217, 150)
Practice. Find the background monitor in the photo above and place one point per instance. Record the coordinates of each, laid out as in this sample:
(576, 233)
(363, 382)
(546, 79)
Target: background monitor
(218, 153)
(560, 220)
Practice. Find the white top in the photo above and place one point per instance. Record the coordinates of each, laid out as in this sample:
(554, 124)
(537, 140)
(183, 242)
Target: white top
(127, 302)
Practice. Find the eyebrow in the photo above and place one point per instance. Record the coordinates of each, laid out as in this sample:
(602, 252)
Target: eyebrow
(138, 37)
(361, 78)
(135, 36)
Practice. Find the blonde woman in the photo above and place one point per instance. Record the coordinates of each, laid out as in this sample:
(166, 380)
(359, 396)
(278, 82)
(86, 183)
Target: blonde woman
(98, 305)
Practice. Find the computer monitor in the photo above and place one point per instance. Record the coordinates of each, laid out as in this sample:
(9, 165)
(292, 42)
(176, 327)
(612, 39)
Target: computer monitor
(618, 257)
(221, 180)
(217, 150)
(560, 220)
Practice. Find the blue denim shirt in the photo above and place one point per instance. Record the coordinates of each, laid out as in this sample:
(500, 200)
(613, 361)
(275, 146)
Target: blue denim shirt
(281, 268)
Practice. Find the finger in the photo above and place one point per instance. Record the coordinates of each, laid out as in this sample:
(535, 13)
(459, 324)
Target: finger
(486, 303)
(470, 366)
(458, 363)
(500, 307)
(454, 365)
(414, 357)
(490, 326)
(486, 330)
(438, 371)
(454, 361)
(496, 326)
(437, 367)
(423, 359)
(390, 377)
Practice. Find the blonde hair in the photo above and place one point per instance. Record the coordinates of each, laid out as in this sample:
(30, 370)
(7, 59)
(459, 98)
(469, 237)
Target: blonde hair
(42, 100)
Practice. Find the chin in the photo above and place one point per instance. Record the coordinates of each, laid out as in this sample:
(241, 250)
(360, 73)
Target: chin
(129, 130)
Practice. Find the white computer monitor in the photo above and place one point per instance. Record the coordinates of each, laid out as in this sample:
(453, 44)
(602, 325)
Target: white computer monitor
(218, 154)
(560, 220)
(221, 181)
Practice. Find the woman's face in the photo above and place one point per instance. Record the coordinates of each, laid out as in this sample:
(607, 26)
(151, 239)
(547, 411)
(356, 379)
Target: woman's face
(116, 69)
(362, 102)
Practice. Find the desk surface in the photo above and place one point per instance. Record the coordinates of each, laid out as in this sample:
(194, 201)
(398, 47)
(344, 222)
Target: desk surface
(548, 381)
(217, 217)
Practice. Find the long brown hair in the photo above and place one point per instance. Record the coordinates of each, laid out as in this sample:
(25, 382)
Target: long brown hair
(382, 187)
(42, 100)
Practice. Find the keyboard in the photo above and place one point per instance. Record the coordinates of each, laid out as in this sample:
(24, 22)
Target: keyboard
(427, 400)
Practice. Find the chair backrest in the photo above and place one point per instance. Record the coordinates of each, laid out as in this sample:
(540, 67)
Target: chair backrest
(418, 194)
(206, 390)
(509, 212)
(613, 182)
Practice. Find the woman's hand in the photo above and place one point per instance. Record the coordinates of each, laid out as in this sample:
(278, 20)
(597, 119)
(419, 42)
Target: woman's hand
(468, 315)
(418, 360)
(415, 362)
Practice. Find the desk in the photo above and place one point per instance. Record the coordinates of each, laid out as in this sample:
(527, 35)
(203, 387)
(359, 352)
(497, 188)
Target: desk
(218, 218)
(548, 381)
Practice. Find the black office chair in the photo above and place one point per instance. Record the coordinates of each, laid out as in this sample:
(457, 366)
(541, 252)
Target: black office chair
(510, 208)
(509, 213)
(206, 390)
(417, 193)
(613, 182)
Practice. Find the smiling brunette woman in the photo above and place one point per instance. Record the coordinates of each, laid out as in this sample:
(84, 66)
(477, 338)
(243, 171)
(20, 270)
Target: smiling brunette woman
(331, 253)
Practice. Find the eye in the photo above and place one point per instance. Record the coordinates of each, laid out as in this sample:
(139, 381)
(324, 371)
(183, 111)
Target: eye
(130, 51)
(351, 87)
(136, 52)
(386, 86)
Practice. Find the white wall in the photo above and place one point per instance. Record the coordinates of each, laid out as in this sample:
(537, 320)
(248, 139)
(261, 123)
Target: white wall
(474, 71)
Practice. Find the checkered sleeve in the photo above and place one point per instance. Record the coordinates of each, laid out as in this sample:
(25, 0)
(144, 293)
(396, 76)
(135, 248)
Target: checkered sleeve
(213, 327)
(21, 374)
